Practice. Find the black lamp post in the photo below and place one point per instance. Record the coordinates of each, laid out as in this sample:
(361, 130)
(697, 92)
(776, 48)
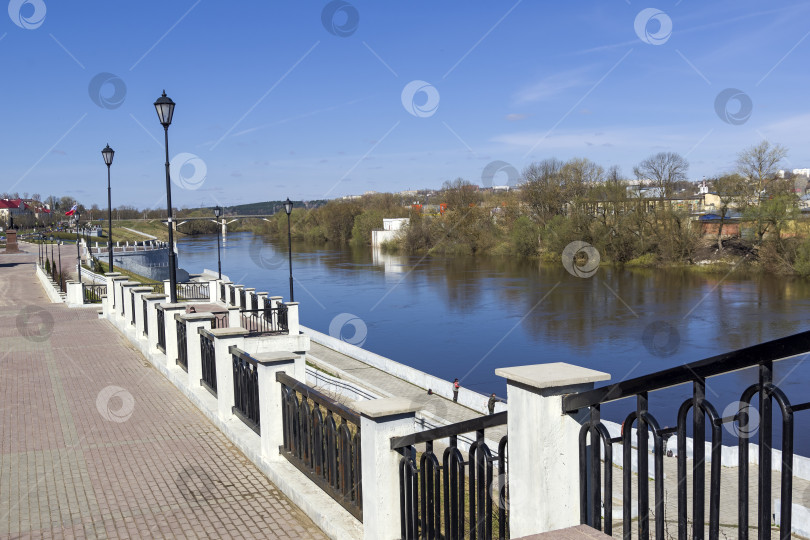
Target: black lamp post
(107, 153)
(217, 213)
(78, 247)
(165, 110)
(288, 206)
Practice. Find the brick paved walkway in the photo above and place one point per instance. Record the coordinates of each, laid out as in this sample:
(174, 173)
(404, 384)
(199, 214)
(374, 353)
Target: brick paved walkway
(95, 443)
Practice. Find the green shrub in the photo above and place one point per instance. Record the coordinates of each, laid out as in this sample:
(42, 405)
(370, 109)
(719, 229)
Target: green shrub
(524, 237)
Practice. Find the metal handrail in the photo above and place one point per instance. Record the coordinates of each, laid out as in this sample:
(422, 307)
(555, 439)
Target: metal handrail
(321, 399)
(465, 426)
(778, 349)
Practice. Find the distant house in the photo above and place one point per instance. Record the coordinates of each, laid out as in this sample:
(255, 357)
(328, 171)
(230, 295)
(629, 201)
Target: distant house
(391, 226)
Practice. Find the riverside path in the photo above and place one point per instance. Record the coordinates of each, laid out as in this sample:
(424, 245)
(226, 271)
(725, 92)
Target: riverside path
(95, 443)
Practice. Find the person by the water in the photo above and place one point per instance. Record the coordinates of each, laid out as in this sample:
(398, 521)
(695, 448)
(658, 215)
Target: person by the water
(456, 386)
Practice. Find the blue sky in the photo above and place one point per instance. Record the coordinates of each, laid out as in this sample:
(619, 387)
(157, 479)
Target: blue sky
(280, 100)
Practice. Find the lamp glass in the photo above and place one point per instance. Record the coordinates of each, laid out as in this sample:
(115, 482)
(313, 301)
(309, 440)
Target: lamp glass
(288, 205)
(108, 154)
(165, 109)
(217, 211)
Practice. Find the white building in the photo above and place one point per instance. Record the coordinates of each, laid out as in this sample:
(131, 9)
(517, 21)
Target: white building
(391, 227)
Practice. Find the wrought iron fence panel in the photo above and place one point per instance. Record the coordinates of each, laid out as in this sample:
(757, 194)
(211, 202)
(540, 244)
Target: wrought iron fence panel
(325, 447)
(193, 291)
(92, 293)
(254, 302)
(182, 346)
(161, 329)
(265, 321)
(233, 295)
(132, 301)
(454, 499)
(246, 388)
(222, 292)
(209, 364)
(242, 299)
(596, 447)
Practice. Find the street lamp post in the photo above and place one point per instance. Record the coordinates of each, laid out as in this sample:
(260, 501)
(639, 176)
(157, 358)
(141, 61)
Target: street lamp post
(108, 153)
(165, 110)
(59, 248)
(217, 213)
(78, 247)
(288, 205)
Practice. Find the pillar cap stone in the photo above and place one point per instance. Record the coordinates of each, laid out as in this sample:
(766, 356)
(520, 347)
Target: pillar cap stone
(552, 375)
(380, 408)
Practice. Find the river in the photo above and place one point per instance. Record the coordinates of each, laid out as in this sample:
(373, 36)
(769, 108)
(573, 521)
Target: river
(465, 316)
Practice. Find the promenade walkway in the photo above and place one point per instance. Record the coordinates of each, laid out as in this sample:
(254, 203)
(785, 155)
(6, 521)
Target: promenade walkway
(97, 444)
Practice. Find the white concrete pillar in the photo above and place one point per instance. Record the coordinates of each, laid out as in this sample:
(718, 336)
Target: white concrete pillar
(275, 301)
(152, 301)
(292, 318)
(75, 294)
(139, 293)
(238, 296)
(224, 338)
(234, 318)
(195, 321)
(544, 445)
(213, 290)
(169, 311)
(167, 287)
(380, 420)
(249, 293)
(126, 295)
(271, 420)
(108, 306)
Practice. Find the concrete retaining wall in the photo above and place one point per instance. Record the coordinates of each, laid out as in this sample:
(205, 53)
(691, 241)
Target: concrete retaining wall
(442, 387)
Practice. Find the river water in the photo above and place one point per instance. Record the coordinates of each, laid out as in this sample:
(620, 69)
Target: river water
(465, 316)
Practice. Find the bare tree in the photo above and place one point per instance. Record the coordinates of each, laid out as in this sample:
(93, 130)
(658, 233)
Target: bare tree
(759, 166)
(665, 169)
(730, 190)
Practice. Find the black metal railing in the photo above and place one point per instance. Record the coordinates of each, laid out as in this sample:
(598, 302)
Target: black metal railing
(222, 292)
(182, 346)
(92, 293)
(454, 498)
(157, 287)
(246, 388)
(132, 305)
(325, 449)
(266, 321)
(595, 494)
(161, 330)
(220, 320)
(209, 364)
(233, 295)
(145, 316)
(193, 291)
(242, 299)
(254, 301)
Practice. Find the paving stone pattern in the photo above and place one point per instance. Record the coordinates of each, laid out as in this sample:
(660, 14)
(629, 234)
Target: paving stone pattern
(95, 443)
